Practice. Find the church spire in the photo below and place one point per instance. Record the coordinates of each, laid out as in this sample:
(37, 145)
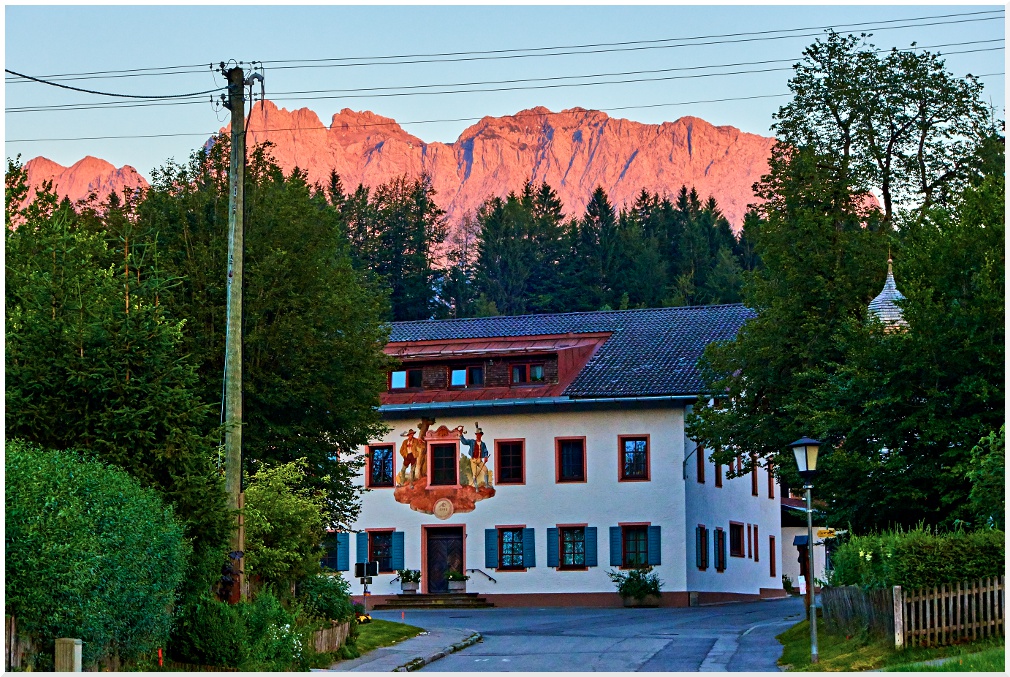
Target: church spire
(885, 306)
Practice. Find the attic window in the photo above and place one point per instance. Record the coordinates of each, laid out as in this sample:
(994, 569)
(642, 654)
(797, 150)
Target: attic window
(405, 378)
(466, 377)
(527, 373)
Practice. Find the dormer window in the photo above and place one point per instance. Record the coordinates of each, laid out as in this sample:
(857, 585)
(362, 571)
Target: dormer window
(527, 373)
(466, 377)
(405, 378)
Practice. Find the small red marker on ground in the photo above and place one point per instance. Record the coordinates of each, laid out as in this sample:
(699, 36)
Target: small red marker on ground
(160, 664)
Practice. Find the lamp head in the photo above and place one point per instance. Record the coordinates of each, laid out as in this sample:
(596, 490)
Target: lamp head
(805, 450)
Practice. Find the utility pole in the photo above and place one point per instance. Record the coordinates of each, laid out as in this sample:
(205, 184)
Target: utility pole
(233, 342)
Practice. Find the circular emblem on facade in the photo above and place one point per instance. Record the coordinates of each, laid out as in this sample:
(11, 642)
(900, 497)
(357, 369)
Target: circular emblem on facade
(443, 509)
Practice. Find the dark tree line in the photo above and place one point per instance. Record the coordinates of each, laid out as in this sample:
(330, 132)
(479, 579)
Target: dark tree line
(519, 254)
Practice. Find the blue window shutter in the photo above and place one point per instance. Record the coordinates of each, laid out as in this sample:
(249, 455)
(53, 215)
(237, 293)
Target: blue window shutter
(529, 549)
(698, 558)
(491, 548)
(591, 558)
(396, 556)
(654, 546)
(553, 558)
(616, 549)
(362, 554)
(343, 551)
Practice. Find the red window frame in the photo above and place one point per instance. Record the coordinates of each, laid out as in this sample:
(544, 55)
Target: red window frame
(498, 461)
(720, 548)
(771, 480)
(467, 377)
(562, 528)
(638, 528)
(757, 545)
(718, 474)
(368, 466)
(621, 477)
(736, 543)
(527, 368)
(699, 463)
(431, 464)
(557, 460)
(499, 532)
(750, 551)
(771, 556)
(371, 547)
(407, 372)
(754, 476)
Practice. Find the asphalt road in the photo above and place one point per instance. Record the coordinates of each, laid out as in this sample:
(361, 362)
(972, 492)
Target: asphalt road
(730, 637)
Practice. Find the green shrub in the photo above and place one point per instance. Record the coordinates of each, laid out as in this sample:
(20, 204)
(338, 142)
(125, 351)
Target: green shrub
(918, 558)
(89, 554)
(279, 638)
(637, 583)
(326, 597)
(208, 631)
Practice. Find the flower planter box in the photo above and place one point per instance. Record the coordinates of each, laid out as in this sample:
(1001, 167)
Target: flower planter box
(649, 601)
(408, 587)
(457, 586)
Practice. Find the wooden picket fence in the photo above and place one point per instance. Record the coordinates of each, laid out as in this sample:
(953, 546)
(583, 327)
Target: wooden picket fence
(850, 610)
(330, 639)
(949, 613)
(16, 647)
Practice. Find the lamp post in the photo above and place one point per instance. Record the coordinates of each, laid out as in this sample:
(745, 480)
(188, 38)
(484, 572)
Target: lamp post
(805, 450)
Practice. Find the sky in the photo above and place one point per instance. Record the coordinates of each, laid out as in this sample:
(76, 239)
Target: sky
(743, 54)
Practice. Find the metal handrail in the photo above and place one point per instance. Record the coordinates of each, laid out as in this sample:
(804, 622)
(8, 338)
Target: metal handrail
(483, 573)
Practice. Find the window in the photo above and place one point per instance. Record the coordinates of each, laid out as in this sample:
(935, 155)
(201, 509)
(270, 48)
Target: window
(771, 556)
(510, 548)
(701, 547)
(636, 546)
(720, 549)
(718, 474)
(771, 481)
(336, 551)
(634, 458)
(573, 547)
(571, 460)
(754, 476)
(699, 462)
(444, 464)
(527, 373)
(380, 466)
(735, 539)
(749, 541)
(510, 462)
(757, 546)
(405, 378)
(466, 377)
(475, 376)
(380, 549)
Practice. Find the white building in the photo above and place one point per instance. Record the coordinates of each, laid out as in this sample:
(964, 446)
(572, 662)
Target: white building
(536, 453)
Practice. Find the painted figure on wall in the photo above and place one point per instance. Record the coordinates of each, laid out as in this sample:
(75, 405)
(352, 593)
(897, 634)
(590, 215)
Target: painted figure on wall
(413, 451)
(473, 465)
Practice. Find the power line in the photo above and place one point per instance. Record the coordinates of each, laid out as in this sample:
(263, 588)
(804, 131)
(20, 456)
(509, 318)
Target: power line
(378, 92)
(124, 96)
(537, 51)
(421, 122)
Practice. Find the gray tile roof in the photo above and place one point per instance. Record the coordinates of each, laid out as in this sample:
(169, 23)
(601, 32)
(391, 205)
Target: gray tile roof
(650, 352)
(884, 305)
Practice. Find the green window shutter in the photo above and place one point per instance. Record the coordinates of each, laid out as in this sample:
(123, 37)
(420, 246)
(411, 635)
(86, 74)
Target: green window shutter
(396, 556)
(654, 547)
(343, 551)
(616, 549)
(553, 558)
(699, 558)
(529, 549)
(362, 547)
(591, 557)
(491, 548)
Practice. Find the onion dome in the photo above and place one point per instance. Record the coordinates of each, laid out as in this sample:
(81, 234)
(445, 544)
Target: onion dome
(885, 306)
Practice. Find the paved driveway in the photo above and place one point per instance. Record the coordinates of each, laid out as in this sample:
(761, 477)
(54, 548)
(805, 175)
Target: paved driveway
(734, 637)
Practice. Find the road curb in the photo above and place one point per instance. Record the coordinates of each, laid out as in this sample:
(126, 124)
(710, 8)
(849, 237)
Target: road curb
(419, 662)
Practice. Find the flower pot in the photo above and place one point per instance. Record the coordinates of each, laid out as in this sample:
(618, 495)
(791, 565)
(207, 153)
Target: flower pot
(647, 601)
(457, 586)
(408, 587)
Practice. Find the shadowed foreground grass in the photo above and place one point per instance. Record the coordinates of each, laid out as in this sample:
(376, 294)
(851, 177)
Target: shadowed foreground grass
(839, 653)
(990, 660)
(378, 634)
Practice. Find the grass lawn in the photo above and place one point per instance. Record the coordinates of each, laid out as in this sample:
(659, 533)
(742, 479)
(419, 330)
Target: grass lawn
(838, 653)
(990, 660)
(378, 634)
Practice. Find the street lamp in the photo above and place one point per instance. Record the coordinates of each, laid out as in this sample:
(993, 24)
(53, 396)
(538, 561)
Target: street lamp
(805, 450)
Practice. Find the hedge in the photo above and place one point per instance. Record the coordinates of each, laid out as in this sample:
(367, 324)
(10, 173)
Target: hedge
(89, 554)
(918, 558)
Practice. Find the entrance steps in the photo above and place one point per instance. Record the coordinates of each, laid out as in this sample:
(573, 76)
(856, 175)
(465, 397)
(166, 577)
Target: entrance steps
(466, 600)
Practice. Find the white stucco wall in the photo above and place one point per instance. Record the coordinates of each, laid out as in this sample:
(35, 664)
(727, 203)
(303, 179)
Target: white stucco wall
(714, 507)
(541, 503)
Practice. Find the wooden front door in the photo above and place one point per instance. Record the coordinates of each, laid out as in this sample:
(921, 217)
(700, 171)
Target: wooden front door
(445, 552)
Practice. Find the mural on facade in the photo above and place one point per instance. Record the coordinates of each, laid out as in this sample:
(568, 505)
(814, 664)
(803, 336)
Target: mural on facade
(422, 481)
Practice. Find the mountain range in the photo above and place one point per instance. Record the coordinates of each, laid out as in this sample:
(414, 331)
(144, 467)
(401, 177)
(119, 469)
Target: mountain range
(574, 151)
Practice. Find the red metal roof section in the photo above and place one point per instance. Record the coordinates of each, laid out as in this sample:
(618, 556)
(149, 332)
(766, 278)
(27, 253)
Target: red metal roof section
(572, 350)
